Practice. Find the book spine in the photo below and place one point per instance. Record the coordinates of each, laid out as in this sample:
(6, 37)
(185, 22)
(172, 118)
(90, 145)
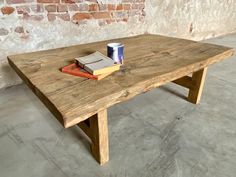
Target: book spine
(80, 64)
(77, 72)
(89, 70)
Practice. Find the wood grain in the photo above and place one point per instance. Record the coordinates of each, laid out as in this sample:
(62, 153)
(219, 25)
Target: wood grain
(96, 128)
(150, 61)
(100, 144)
(198, 80)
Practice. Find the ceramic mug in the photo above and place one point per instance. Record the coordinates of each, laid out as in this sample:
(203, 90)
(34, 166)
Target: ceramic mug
(115, 51)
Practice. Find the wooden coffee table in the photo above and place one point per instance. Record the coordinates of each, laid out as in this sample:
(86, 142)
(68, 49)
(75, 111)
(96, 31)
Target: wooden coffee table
(150, 61)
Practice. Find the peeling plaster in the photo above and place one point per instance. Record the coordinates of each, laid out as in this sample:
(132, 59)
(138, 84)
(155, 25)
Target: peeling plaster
(191, 19)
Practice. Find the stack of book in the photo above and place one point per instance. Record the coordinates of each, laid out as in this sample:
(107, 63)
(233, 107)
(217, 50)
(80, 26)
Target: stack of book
(94, 66)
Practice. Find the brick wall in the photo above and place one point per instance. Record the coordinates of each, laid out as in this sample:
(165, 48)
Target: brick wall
(33, 25)
(77, 11)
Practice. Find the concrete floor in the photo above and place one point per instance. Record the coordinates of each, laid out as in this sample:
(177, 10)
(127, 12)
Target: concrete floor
(157, 134)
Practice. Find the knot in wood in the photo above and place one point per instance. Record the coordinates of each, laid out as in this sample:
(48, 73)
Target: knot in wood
(126, 94)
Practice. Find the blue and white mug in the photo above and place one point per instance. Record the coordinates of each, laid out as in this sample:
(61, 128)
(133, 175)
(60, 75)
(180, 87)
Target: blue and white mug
(116, 52)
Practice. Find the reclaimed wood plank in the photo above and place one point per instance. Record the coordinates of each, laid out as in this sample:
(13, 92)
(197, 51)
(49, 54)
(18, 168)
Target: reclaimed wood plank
(198, 80)
(150, 61)
(96, 128)
(100, 144)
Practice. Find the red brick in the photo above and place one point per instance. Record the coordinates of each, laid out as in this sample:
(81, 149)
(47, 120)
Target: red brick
(73, 7)
(62, 8)
(7, 10)
(22, 9)
(3, 32)
(65, 17)
(18, 1)
(128, 1)
(48, 1)
(83, 7)
(90, 1)
(111, 7)
(36, 17)
(71, 1)
(81, 16)
(93, 7)
(26, 16)
(119, 7)
(100, 15)
(102, 7)
(68, 1)
(19, 29)
(37, 8)
(51, 17)
(51, 8)
(126, 6)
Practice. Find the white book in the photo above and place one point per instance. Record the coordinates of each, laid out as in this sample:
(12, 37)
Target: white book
(97, 63)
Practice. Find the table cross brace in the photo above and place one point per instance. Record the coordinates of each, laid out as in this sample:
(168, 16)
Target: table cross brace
(194, 84)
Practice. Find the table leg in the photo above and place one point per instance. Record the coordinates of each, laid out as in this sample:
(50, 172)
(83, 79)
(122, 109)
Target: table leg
(194, 84)
(198, 80)
(96, 128)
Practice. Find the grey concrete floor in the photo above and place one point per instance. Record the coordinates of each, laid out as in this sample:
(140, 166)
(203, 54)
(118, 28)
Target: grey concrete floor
(157, 134)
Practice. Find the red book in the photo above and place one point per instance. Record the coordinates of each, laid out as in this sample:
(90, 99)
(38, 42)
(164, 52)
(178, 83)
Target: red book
(75, 70)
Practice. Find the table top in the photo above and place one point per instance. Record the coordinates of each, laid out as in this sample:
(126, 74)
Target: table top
(150, 61)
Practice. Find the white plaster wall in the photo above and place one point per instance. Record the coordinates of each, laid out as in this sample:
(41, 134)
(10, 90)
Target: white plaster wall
(192, 19)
